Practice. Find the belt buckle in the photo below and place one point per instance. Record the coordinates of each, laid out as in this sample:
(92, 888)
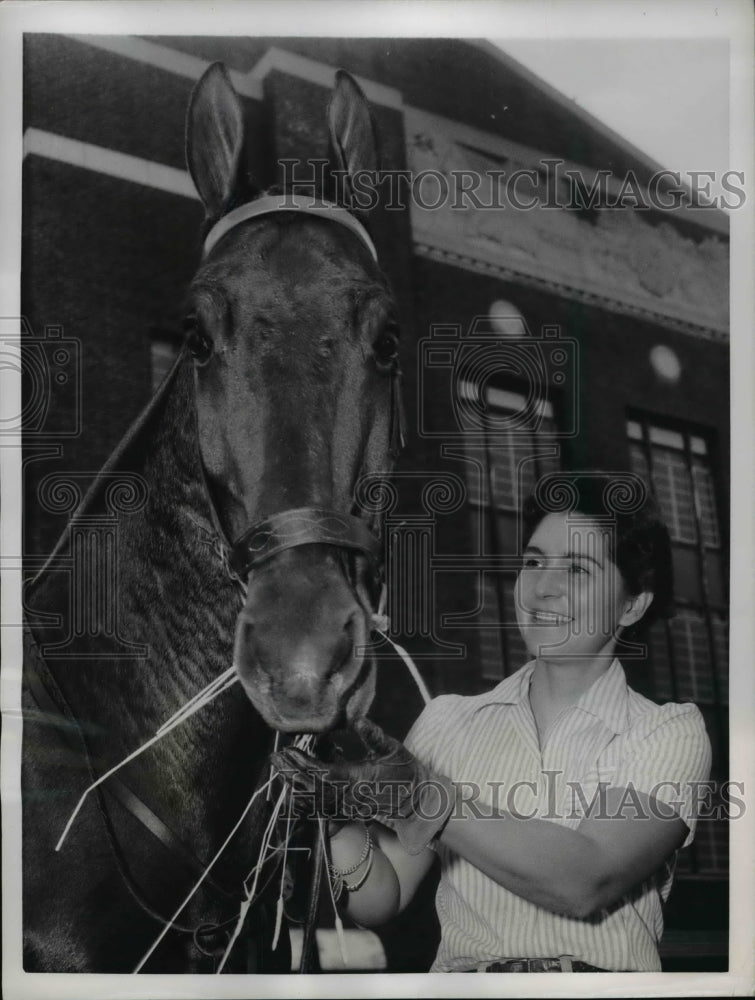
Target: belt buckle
(545, 965)
(564, 963)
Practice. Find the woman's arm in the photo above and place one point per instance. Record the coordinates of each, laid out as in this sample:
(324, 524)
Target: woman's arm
(572, 872)
(394, 875)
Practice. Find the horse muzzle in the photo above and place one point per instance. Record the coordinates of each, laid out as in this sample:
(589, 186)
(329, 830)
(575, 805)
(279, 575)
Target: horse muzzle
(300, 643)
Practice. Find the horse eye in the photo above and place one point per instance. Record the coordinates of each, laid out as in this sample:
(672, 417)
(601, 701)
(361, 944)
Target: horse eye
(197, 340)
(386, 349)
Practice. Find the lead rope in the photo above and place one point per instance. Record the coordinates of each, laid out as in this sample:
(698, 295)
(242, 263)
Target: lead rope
(310, 923)
(381, 625)
(280, 902)
(336, 914)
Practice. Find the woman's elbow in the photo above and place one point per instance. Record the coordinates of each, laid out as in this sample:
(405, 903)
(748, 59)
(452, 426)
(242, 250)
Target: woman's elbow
(584, 899)
(593, 897)
(582, 907)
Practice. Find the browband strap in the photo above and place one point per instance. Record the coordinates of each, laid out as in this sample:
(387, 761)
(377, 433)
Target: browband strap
(288, 203)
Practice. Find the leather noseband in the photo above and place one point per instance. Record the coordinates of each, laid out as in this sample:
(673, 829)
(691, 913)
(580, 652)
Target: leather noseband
(301, 526)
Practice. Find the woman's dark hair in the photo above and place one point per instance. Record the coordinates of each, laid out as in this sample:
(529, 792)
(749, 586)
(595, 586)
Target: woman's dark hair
(640, 545)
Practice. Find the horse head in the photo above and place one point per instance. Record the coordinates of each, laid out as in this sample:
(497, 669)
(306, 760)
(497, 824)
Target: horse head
(294, 337)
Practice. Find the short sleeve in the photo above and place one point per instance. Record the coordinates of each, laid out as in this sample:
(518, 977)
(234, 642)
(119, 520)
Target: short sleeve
(668, 757)
(430, 733)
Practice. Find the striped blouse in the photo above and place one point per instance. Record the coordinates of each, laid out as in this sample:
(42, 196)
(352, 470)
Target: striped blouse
(612, 735)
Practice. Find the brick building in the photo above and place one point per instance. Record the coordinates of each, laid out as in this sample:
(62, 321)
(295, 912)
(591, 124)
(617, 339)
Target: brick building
(618, 318)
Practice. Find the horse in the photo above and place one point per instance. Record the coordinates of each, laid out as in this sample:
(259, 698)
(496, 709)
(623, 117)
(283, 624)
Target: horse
(242, 550)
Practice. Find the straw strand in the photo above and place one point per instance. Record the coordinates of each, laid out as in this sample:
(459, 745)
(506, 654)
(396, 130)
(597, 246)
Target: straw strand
(206, 695)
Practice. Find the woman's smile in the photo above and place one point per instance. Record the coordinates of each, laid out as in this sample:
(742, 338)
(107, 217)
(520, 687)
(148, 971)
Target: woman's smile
(539, 616)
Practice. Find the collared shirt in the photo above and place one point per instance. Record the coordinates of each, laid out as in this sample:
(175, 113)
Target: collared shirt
(612, 735)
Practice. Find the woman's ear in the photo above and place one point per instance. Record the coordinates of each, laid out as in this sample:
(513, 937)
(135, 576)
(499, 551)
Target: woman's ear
(635, 607)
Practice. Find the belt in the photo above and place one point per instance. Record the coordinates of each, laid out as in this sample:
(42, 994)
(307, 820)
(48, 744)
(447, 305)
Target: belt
(563, 964)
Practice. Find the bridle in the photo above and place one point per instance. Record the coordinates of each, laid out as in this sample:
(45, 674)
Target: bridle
(303, 525)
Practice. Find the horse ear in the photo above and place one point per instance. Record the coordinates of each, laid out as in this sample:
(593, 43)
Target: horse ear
(352, 130)
(214, 139)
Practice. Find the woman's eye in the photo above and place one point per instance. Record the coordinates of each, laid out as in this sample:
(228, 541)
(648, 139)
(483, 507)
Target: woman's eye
(530, 562)
(197, 340)
(386, 349)
(577, 569)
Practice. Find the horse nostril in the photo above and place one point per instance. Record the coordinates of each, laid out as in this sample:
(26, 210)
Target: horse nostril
(349, 641)
(244, 635)
(351, 625)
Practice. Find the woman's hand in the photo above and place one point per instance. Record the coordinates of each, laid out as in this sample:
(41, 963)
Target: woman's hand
(386, 783)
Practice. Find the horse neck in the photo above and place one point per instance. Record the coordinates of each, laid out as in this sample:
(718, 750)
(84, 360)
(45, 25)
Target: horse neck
(174, 598)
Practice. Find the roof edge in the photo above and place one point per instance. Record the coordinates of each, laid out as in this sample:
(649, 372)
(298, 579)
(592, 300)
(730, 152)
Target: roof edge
(717, 220)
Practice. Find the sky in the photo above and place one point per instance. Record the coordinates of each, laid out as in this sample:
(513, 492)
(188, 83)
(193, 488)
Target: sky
(669, 97)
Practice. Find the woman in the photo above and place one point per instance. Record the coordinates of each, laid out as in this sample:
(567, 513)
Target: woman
(558, 800)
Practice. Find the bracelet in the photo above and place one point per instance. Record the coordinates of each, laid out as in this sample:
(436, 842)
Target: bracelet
(365, 852)
(338, 877)
(362, 878)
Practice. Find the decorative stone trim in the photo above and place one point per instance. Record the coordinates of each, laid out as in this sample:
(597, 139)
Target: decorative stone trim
(616, 305)
(166, 58)
(108, 161)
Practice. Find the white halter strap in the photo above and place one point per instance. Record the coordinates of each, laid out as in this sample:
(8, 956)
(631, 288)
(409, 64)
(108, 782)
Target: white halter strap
(287, 203)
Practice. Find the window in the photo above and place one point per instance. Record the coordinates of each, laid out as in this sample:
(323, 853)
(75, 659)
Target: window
(689, 653)
(503, 466)
(692, 660)
(710, 848)
(681, 479)
(713, 851)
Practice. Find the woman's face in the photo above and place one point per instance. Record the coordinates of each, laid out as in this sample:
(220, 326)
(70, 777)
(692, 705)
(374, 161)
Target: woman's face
(570, 597)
